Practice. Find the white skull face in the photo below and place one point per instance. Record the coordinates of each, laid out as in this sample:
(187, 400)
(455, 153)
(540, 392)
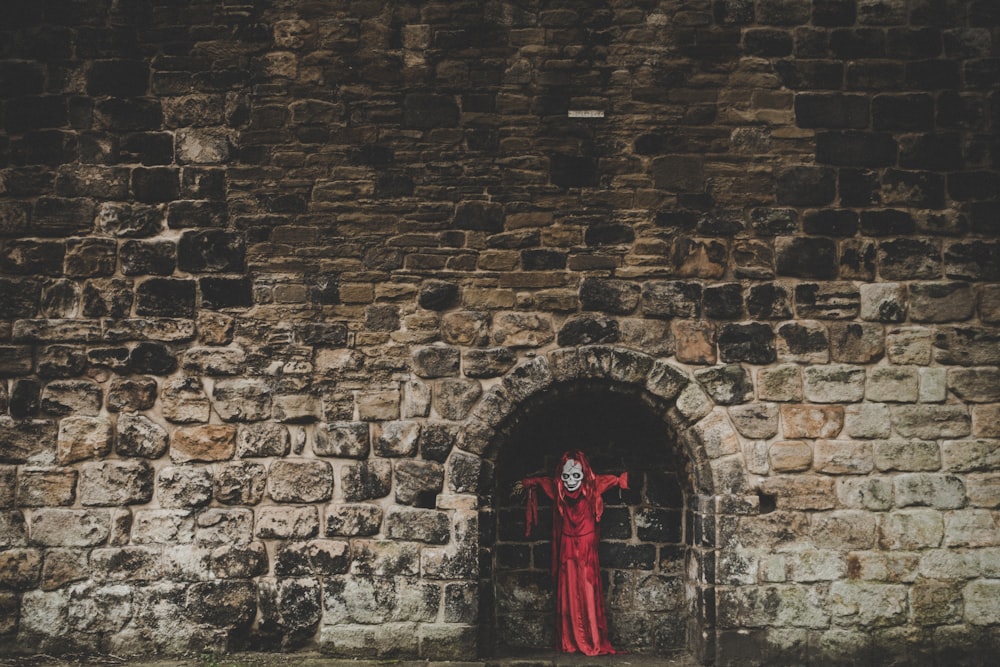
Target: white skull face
(572, 475)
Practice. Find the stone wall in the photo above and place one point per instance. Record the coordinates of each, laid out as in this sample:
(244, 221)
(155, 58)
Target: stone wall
(282, 281)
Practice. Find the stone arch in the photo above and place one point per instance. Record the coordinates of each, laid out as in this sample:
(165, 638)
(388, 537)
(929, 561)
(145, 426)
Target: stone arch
(703, 434)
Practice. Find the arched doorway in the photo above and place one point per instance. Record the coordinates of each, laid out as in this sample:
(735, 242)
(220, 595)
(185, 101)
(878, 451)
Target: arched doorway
(630, 412)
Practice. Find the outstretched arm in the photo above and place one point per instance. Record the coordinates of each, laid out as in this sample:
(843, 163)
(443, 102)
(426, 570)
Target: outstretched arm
(605, 482)
(546, 484)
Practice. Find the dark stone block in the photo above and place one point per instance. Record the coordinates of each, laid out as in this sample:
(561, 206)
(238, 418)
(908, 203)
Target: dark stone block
(960, 111)
(572, 171)
(830, 13)
(438, 295)
(57, 216)
(25, 398)
(733, 12)
(831, 222)
(20, 78)
(983, 73)
(769, 301)
(932, 75)
(118, 78)
(48, 147)
(874, 75)
(128, 115)
(156, 258)
(806, 186)
(393, 185)
(751, 342)
(774, 221)
(153, 185)
(831, 110)
(985, 217)
(903, 112)
(678, 173)
(671, 299)
(31, 257)
(219, 293)
(856, 149)
(152, 358)
(767, 43)
(827, 301)
(723, 302)
(34, 113)
(437, 441)
(207, 183)
(612, 296)
(589, 330)
(975, 260)
(623, 556)
(974, 185)
(859, 187)
(680, 220)
(660, 525)
(810, 74)
(90, 257)
(424, 111)
(107, 298)
(650, 144)
(919, 189)
(513, 556)
(857, 260)
(148, 148)
(19, 298)
(542, 260)
(851, 43)
(887, 222)
(165, 297)
(211, 251)
(61, 361)
(188, 214)
(382, 317)
(807, 257)
(906, 259)
(609, 234)
(803, 340)
(913, 43)
(480, 216)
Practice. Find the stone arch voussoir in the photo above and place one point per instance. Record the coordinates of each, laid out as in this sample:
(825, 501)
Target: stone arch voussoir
(703, 429)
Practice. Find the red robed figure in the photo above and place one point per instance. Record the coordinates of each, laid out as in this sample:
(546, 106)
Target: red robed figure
(576, 494)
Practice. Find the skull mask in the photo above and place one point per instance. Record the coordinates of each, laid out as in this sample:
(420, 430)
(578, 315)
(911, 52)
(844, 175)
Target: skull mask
(572, 475)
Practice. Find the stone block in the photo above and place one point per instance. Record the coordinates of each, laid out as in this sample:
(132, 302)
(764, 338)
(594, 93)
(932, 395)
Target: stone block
(669, 299)
(871, 493)
(811, 421)
(975, 385)
(46, 486)
(843, 457)
(420, 525)
(800, 492)
(487, 363)
(81, 438)
(911, 529)
(366, 480)
(834, 383)
(69, 527)
(241, 399)
(20, 568)
(287, 523)
(827, 301)
(139, 436)
(973, 455)
(755, 420)
(844, 529)
(343, 440)
(967, 346)
(239, 561)
(111, 483)
(218, 527)
(867, 420)
(727, 385)
(695, 341)
(418, 482)
(353, 520)
(893, 384)
(163, 526)
(184, 401)
(71, 397)
(300, 481)
(868, 604)
(806, 257)
(208, 442)
(131, 394)
(184, 486)
(64, 566)
(780, 383)
(907, 455)
(983, 490)
(986, 420)
(28, 441)
(519, 330)
(941, 301)
(436, 361)
(974, 528)
(263, 440)
(920, 489)
(396, 438)
(803, 341)
(856, 342)
(214, 360)
(981, 601)
(378, 406)
(239, 483)
(933, 385)
(931, 422)
(790, 456)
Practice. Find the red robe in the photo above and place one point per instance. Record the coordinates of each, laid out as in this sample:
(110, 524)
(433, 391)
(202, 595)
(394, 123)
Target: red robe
(580, 617)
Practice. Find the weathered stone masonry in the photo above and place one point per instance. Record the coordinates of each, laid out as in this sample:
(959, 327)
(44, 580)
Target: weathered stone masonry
(291, 291)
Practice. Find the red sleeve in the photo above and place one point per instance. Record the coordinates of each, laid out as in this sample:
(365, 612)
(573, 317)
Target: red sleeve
(546, 484)
(605, 482)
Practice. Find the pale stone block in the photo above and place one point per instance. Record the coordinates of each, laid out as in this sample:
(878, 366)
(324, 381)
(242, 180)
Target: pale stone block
(843, 457)
(780, 383)
(300, 481)
(209, 442)
(520, 329)
(790, 456)
(933, 385)
(911, 529)
(800, 492)
(110, 483)
(983, 490)
(893, 384)
(396, 438)
(834, 383)
(979, 455)
(986, 421)
(931, 422)
(184, 486)
(868, 604)
(83, 438)
(183, 401)
(165, 526)
(242, 399)
(949, 564)
(297, 523)
(45, 486)
(756, 458)
(717, 435)
(70, 528)
(982, 602)
(811, 421)
(888, 566)
(939, 491)
(693, 403)
(867, 420)
(810, 565)
(215, 527)
(755, 420)
(907, 455)
(416, 399)
(844, 529)
(378, 406)
(971, 528)
(909, 345)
